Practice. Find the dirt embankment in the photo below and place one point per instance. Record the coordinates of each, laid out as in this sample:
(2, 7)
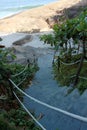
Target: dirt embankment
(41, 18)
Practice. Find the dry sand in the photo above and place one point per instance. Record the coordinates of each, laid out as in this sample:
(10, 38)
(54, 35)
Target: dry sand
(34, 20)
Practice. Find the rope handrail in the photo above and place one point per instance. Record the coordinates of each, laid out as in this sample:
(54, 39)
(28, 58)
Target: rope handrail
(79, 77)
(20, 72)
(21, 81)
(70, 63)
(28, 111)
(85, 61)
(81, 118)
(82, 77)
(72, 76)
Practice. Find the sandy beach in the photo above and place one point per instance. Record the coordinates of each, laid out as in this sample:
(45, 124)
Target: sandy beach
(37, 19)
(32, 22)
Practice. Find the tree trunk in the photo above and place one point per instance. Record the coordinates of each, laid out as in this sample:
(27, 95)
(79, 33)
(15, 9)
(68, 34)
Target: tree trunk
(79, 70)
(80, 65)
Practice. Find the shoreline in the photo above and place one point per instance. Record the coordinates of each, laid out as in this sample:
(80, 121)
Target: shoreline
(25, 8)
(38, 19)
(20, 11)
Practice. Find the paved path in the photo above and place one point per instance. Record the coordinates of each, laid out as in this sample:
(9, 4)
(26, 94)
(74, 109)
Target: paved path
(46, 89)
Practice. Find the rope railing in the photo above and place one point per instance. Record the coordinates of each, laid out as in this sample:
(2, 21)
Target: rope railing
(21, 81)
(20, 72)
(67, 64)
(70, 63)
(28, 111)
(85, 61)
(81, 77)
(81, 118)
(72, 76)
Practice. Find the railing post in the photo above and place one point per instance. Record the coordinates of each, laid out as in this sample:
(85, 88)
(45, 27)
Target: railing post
(11, 90)
(11, 94)
(35, 60)
(28, 63)
(58, 62)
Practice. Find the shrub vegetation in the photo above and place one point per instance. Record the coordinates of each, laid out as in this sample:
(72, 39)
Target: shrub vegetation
(69, 37)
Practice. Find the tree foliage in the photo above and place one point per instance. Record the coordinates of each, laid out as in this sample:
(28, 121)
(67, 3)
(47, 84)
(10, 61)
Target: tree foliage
(12, 117)
(76, 29)
(8, 68)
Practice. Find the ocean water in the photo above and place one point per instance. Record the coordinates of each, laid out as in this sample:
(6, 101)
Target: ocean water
(10, 7)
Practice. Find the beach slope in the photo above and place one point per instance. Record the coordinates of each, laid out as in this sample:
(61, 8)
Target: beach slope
(36, 19)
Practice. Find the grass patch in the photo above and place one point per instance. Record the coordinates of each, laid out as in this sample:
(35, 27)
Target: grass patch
(65, 74)
(16, 119)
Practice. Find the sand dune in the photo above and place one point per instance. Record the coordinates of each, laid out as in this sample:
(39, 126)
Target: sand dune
(35, 20)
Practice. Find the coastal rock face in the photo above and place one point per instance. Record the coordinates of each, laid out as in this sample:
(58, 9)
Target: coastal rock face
(38, 19)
